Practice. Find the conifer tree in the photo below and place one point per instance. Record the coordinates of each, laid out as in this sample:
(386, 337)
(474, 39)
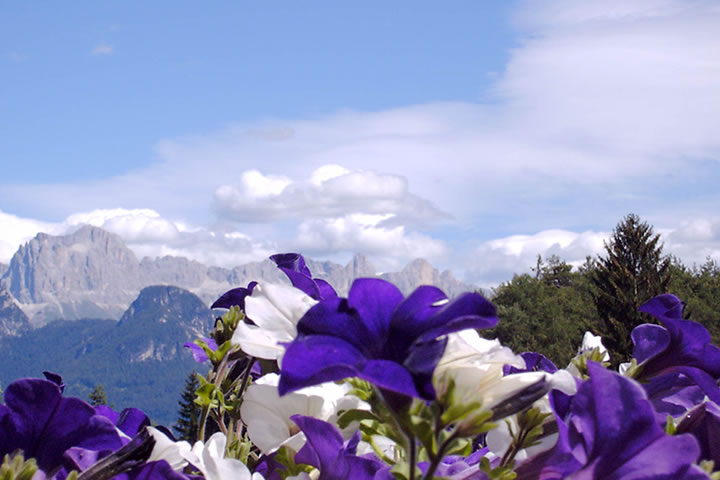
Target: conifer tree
(633, 272)
(188, 411)
(98, 396)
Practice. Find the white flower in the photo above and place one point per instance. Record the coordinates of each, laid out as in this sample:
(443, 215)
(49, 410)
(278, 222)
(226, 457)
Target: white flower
(498, 440)
(589, 343)
(166, 449)
(475, 365)
(210, 459)
(267, 415)
(276, 310)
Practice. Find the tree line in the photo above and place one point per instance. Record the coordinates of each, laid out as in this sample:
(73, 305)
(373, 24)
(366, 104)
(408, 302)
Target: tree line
(549, 310)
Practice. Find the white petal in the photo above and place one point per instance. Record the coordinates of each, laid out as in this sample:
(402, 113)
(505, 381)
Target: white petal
(166, 449)
(277, 307)
(258, 342)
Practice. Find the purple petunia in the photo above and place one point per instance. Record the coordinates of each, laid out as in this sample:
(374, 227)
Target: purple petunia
(293, 265)
(38, 420)
(609, 432)
(324, 450)
(379, 336)
(677, 355)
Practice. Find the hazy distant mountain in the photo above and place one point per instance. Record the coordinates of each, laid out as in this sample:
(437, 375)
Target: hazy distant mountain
(3, 269)
(140, 360)
(91, 273)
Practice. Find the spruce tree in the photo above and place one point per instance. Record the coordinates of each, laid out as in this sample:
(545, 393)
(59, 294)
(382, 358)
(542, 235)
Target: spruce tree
(188, 411)
(98, 396)
(633, 272)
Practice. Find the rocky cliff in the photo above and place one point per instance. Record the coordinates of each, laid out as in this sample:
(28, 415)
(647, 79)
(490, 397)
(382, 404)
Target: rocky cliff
(91, 273)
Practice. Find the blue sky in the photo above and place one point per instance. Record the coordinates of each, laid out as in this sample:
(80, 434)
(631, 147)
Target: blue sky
(474, 134)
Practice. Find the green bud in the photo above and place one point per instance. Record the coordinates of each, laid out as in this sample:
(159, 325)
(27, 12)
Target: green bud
(17, 468)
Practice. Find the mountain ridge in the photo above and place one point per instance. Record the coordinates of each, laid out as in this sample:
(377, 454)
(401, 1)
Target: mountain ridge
(91, 273)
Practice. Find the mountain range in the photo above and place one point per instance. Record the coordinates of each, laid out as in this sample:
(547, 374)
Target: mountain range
(83, 306)
(91, 273)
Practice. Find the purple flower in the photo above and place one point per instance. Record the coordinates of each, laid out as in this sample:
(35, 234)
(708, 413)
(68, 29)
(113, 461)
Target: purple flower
(198, 352)
(456, 467)
(610, 432)
(379, 336)
(38, 420)
(293, 264)
(130, 421)
(234, 297)
(703, 422)
(682, 346)
(324, 450)
(534, 362)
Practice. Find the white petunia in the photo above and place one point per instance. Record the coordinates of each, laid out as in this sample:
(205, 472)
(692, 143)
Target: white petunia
(267, 415)
(275, 310)
(210, 459)
(475, 365)
(166, 449)
(589, 343)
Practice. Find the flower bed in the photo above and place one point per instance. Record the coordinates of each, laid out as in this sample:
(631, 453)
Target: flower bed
(305, 384)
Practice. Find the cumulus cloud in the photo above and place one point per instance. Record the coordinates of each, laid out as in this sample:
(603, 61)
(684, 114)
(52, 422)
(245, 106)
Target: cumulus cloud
(390, 247)
(330, 191)
(496, 261)
(16, 231)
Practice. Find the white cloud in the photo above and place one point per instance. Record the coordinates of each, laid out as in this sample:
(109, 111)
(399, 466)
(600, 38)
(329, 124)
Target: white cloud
(102, 48)
(16, 231)
(603, 108)
(389, 247)
(496, 261)
(331, 191)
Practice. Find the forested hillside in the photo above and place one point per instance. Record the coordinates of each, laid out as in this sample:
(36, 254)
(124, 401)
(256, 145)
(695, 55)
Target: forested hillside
(549, 310)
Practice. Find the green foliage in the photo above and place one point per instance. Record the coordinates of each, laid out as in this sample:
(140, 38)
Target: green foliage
(548, 312)
(633, 272)
(98, 396)
(699, 288)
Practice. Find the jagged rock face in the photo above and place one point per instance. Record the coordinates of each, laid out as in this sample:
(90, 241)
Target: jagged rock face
(420, 272)
(341, 277)
(92, 274)
(160, 321)
(13, 321)
(89, 273)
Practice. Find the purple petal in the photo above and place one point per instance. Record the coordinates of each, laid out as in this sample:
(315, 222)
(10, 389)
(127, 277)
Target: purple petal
(534, 362)
(324, 450)
(390, 376)
(197, 351)
(56, 379)
(703, 422)
(234, 297)
(649, 340)
(326, 290)
(44, 425)
(690, 342)
(291, 261)
(375, 300)
(131, 421)
(334, 317)
(316, 359)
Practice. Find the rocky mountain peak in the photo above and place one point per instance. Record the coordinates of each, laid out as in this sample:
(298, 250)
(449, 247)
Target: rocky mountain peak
(72, 274)
(160, 320)
(13, 321)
